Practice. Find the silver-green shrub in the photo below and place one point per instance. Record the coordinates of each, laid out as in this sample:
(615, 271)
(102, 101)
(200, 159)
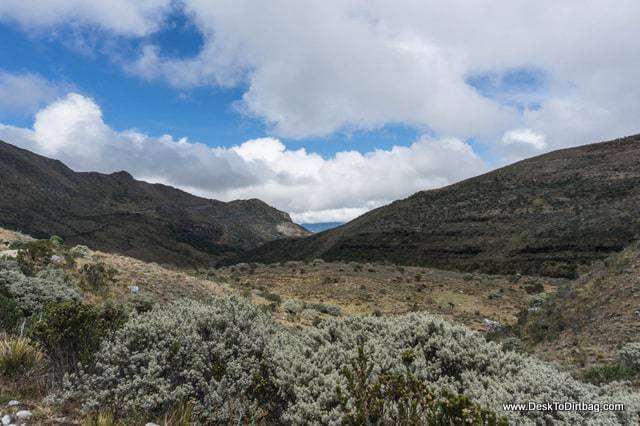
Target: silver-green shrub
(219, 355)
(33, 293)
(629, 356)
(79, 251)
(292, 306)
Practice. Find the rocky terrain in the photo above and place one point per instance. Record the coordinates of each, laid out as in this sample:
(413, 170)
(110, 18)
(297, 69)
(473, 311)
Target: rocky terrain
(119, 214)
(545, 215)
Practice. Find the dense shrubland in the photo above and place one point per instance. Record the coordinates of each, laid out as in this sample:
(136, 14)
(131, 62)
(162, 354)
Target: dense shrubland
(234, 364)
(230, 362)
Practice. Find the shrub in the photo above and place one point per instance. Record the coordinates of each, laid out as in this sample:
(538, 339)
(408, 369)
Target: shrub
(292, 307)
(56, 241)
(238, 365)
(10, 313)
(544, 323)
(34, 256)
(310, 314)
(271, 297)
(71, 332)
(332, 310)
(32, 293)
(607, 373)
(402, 398)
(79, 251)
(18, 356)
(629, 356)
(219, 356)
(140, 303)
(534, 287)
(96, 276)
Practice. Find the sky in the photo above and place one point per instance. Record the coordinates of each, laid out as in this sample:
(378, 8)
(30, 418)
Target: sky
(322, 109)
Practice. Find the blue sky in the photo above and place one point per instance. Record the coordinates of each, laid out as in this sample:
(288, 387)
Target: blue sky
(204, 114)
(324, 110)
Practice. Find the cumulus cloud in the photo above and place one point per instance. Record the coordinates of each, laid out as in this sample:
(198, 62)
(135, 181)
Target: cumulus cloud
(310, 187)
(520, 143)
(25, 93)
(121, 17)
(316, 68)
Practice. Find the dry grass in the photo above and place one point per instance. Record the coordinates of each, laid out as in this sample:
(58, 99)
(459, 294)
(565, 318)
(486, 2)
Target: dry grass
(362, 289)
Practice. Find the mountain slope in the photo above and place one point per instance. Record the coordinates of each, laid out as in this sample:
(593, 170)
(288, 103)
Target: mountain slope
(119, 214)
(544, 215)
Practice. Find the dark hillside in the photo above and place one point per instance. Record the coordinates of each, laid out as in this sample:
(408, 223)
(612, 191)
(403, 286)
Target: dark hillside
(117, 213)
(544, 215)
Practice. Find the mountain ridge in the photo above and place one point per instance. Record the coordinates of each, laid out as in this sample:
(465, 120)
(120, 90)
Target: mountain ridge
(115, 212)
(544, 215)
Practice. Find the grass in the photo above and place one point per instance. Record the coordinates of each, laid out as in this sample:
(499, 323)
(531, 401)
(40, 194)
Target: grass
(19, 355)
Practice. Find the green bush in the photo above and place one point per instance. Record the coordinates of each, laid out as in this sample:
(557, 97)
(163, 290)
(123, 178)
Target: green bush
(607, 373)
(10, 313)
(34, 256)
(56, 240)
(70, 332)
(402, 398)
(534, 287)
(271, 297)
(332, 310)
(96, 276)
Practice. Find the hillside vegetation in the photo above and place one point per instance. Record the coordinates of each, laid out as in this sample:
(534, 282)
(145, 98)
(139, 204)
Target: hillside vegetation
(546, 215)
(116, 213)
(82, 344)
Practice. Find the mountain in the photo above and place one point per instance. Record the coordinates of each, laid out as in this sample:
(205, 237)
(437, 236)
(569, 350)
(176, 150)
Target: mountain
(545, 215)
(116, 213)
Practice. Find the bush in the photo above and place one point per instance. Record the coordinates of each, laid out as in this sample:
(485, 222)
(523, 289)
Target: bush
(332, 310)
(56, 241)
(310, 314)
(34, 256)
(629, 356)
(96, 276)
(10, 313)
(238, 365)
(18, 356)
(219, 356)
(79, 251)
(534, 287)
(402, 398)
(271, 297)
(607, 373)
(71, 332)
(32, 293)
(292, 307)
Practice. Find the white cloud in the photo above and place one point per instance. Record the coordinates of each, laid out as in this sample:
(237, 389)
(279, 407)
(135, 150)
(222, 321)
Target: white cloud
(520, 143)
(121, 17)
(310, 187)
(25, 93)
(314, 68)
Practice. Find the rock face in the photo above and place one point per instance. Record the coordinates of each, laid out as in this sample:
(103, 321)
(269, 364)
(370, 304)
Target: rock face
(544, 215)
(117, 213)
